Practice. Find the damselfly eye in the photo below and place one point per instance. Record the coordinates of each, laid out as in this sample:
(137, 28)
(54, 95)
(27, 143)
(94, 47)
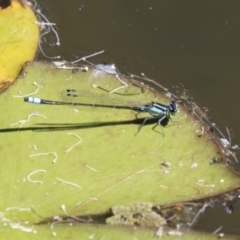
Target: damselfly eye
(173, 107)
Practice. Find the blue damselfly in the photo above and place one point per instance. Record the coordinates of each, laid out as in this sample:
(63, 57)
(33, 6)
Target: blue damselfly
(158, 111)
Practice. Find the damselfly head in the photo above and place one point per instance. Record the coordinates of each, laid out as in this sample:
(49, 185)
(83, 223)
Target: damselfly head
(173, 108)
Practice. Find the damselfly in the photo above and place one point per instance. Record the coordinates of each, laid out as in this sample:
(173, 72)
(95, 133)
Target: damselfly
(158, 111)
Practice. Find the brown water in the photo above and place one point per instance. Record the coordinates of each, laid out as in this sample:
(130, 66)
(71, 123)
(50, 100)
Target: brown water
(193, 43)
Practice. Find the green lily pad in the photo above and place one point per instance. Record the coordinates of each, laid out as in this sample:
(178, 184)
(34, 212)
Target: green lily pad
(90, 159)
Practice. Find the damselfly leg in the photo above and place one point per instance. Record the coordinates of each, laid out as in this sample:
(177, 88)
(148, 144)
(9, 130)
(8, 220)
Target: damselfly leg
(159, 123)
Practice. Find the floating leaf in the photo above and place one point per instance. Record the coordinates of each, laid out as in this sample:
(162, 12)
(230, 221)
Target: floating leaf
(19, 39)
(90, 159)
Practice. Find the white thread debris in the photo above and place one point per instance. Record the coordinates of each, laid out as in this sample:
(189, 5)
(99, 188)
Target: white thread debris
(69, 183)
(30, 94)
(20, 209)
(66, 66)
(93, 169)
(122, 82)
(217, 230)
(22, 228)
(202, 210)
(36, 171)
(84, 58)
(46, 27)
(54, 154)
(80, 141)
(72, 216)
(23, 121)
